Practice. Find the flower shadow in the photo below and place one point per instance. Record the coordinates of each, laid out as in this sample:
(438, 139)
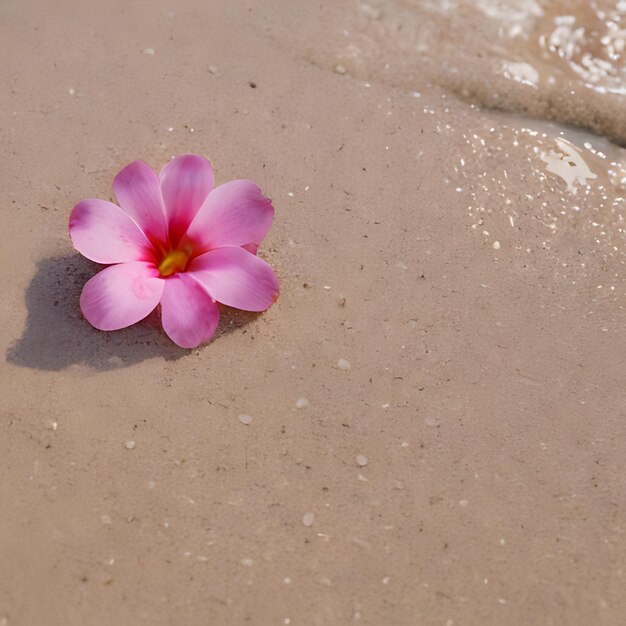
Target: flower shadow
(56, 336)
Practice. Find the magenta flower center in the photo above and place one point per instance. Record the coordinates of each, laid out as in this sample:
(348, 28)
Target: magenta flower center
(173, 262)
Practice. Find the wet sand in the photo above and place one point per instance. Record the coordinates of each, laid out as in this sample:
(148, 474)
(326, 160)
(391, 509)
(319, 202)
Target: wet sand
(437, 398)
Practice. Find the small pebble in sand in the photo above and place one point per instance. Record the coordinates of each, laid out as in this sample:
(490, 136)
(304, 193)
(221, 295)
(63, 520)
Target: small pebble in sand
(463, 503)
(308, 519)
(149, 51)
(212, 69)
(245, 419)
(247, 562)
(374, 12)
(130, 444)
(361, 460)
(340, 69)
(287, 580)
(72, 91)
(496, 245)
(386, 580)
(343, 364)
(301, 403)
(105, 519)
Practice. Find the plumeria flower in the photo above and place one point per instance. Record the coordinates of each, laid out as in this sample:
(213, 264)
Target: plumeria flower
(177, 241)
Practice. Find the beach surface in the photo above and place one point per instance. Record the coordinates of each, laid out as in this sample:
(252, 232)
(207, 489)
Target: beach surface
(434, 414)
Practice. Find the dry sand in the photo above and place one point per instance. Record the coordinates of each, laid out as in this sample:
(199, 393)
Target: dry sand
(438, 417)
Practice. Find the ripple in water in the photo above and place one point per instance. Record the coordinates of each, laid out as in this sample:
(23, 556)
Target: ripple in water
(536, 188)
(562, 60)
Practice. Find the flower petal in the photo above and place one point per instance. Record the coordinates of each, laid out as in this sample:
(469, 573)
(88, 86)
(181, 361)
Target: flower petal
(185, 182)
(188, 313)
(253, 248)
(236, 278)
(121, 295)
(139, 193)
(102, 232)
(233, 214)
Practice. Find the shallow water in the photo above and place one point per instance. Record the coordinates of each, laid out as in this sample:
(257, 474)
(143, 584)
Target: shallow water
(560, 60)
(544, 84)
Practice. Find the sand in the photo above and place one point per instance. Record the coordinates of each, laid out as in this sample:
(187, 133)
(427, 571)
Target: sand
(437, 416)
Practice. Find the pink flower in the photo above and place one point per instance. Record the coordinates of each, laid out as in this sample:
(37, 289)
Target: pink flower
(178, 242)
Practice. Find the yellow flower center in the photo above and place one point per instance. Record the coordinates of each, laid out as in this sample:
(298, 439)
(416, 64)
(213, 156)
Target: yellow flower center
(175, 261)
